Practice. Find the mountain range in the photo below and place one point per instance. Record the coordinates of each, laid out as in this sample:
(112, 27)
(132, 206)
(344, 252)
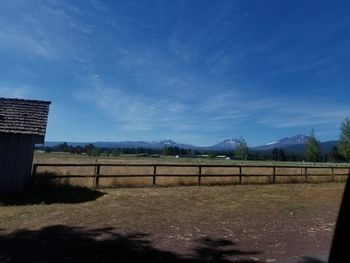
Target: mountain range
(295, 144)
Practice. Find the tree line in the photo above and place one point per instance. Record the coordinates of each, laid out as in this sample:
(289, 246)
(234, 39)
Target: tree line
(92, 150)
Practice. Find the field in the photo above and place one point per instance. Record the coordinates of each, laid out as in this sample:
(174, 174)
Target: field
(237, 223)
(286, 172)
(67, 158)
(245, 222)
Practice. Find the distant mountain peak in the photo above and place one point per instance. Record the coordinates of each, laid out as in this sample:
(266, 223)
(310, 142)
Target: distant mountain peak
(298, 139)
(226, 144)
(168, 142)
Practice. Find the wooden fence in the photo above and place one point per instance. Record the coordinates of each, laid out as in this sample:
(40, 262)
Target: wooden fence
(303, 172)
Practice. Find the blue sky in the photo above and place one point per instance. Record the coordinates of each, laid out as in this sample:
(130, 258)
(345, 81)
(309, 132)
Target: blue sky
(191, 71)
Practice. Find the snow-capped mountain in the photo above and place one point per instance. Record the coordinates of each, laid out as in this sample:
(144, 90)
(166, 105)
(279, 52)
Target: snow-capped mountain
(170, 143)
(227, 144)
(299, 139)
(167, 142)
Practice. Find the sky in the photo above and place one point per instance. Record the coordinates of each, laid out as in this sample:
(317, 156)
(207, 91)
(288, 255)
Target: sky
(193, 71)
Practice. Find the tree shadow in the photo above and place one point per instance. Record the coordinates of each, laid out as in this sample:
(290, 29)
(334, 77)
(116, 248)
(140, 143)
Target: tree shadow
(219, 250)
(310, 260)
(61, 243)
(51, 193)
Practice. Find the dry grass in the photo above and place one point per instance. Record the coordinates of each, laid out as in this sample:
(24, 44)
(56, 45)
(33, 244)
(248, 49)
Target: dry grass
(251, 174)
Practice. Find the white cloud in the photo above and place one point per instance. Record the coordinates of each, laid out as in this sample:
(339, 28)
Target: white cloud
(28, 44)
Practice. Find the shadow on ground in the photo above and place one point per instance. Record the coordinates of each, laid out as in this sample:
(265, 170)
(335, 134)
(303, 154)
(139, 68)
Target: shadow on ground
(51, 194)
(310, 260)
(61, 243)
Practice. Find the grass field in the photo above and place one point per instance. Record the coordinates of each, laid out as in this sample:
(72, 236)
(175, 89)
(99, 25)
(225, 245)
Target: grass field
(287, 175)
(72, 158)
(237, 223)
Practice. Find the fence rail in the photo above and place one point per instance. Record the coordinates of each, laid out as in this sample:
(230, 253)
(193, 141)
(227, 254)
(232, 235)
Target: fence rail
(304, 171)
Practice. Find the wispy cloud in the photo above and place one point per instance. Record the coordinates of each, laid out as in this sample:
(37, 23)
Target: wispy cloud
(98, 5)
(9, 91)
(216, 112)
(131, 111)
(51, 32)
(137, 58)
(300, 112)
(235, 108)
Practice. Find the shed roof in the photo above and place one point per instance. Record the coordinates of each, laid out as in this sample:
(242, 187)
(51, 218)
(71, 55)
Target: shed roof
(23, 116)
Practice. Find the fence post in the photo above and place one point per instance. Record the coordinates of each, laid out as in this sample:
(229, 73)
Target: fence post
(305, 174)
(199, 174)
(240, 174)
(332, 174)
(274, 175)
(97, 174)
(154, 175)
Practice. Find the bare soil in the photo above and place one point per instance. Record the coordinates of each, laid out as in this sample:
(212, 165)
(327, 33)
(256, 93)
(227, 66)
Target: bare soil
(238, 223)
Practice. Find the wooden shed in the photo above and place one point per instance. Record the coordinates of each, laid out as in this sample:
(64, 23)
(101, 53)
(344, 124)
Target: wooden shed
(22, 125)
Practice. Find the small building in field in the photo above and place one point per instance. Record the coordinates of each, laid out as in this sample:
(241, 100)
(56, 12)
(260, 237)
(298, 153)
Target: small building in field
(22, 125)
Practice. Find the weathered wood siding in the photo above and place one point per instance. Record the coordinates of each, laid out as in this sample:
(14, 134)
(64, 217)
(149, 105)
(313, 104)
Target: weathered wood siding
(16, 157)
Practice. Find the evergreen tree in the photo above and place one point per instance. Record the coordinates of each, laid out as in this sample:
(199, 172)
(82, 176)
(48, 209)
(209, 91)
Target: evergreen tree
(88, 148)
(334, 155)
(312, 151)
(95, 152)
(278, 154)
(344, 141)
(115, 152)
(281, 155)
(165, 150)
(241, 149)
(274, 154)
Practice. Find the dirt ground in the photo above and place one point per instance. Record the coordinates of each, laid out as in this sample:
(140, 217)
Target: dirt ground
(238, 223)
